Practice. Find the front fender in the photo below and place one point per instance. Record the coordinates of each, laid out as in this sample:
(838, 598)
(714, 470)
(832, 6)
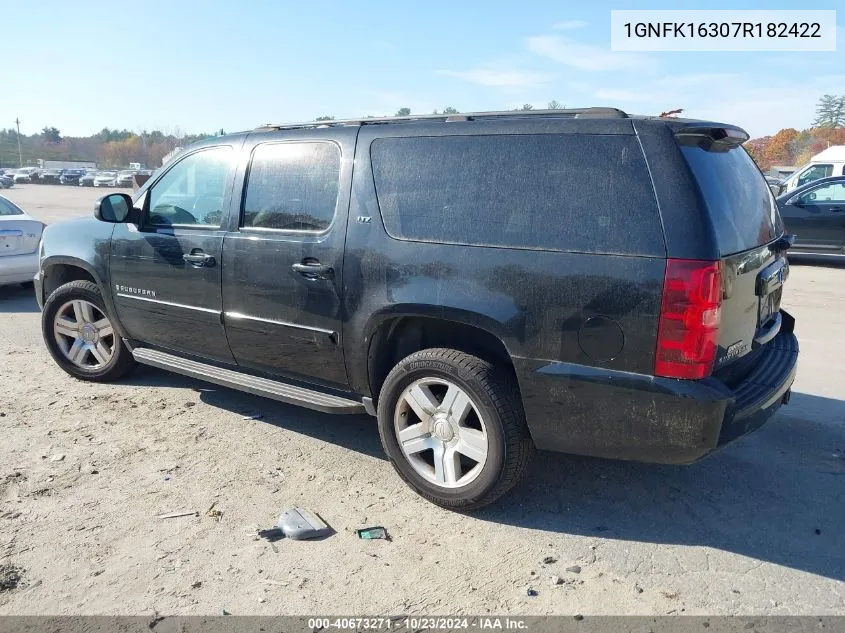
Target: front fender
(84, 243)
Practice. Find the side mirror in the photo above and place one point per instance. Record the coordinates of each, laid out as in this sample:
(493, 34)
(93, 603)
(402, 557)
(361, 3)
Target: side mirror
(115, 208)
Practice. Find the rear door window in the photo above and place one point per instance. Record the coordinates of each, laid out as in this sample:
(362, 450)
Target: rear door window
(741, 206)
(292, 186)
(560, 192)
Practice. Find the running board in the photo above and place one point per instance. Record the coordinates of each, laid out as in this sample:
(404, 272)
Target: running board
(274, 389)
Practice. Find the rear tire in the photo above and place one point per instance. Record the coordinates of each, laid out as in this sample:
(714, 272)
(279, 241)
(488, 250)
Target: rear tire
(453, 427)
(80, 334)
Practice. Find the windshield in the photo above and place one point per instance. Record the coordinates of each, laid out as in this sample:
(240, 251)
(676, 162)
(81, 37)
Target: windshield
(740, 203)
(8, 208)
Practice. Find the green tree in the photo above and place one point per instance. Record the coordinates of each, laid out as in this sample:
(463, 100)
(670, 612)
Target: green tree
(324, 118)
(830, 111)
(450, 110)
(526, 106)
(403, 112)
(554, 104)
(51, 135)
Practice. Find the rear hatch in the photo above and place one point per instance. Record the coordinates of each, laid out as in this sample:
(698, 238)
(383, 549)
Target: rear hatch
(749, 232)
(19, 234)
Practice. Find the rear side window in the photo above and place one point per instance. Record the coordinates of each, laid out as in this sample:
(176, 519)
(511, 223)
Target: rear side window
(562, 192)
(741, 206)
(292, 186)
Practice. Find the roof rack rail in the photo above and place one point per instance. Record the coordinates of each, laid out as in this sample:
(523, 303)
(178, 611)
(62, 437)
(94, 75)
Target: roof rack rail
(578, 113)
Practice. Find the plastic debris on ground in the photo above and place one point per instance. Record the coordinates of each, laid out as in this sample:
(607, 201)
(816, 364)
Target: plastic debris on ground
(297, 524)
(373, 533)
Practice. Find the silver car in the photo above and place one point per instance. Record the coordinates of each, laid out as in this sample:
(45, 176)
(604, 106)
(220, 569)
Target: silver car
(124, 178)
(105, 179)
(19, 238)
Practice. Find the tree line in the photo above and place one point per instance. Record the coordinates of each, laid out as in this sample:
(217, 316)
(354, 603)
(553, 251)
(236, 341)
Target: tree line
(793, 147)
(118, 148)
(107, 148)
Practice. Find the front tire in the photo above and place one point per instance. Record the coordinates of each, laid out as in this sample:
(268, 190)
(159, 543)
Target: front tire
(80, 335)
(453, 427)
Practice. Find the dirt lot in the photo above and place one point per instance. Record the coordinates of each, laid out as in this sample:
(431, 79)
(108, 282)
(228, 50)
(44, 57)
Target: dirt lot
(85, 469)
(51, 203)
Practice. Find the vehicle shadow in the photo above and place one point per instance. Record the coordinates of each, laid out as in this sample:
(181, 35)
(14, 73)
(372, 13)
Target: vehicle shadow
(354, 432)
(817, 261)
(776, 496)
(17, 298)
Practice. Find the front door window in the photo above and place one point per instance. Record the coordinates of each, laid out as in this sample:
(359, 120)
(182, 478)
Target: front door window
(814, 173)
(191, 193)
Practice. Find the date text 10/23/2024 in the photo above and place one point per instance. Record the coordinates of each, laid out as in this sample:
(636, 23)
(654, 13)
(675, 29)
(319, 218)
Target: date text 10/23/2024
(416, 623)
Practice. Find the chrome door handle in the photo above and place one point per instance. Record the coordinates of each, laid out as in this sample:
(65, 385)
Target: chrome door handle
(313, 270)
(198, 260)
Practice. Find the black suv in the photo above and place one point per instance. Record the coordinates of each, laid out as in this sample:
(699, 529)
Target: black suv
(574, 280)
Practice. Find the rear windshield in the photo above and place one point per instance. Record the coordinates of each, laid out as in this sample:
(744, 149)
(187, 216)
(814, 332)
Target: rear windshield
(7, 208)
(739, 201)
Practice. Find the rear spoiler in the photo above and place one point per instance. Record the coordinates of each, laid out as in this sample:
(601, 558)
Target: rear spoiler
(710, 137)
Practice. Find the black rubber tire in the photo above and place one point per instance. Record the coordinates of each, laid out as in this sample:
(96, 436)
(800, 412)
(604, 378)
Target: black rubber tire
(496, 396)
(121, 362)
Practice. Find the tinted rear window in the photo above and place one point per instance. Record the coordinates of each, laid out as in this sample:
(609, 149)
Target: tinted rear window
(740, 203)
(563, 192)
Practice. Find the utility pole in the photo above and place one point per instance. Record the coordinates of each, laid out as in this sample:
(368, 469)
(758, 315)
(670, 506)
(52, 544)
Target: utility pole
(20, 154)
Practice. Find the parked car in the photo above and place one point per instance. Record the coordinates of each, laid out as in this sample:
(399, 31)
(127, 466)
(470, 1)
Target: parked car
(50, 176)
(105, 179)
(87, 179)
(828, 162)
(815, 214)
(124, 178)
(22, 176)
(577, 280)
(6, 181)
(775, 184)
(19, 238)
(70, 177)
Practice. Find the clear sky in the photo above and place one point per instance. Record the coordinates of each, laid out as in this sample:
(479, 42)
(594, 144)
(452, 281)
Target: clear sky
(199, 66)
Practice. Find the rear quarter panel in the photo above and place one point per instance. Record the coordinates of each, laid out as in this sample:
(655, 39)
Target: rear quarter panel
(588, 310)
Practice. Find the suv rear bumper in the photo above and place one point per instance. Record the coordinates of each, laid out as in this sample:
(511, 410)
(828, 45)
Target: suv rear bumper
(605, 413)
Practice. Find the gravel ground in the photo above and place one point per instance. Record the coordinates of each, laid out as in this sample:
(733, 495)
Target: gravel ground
(85, 469)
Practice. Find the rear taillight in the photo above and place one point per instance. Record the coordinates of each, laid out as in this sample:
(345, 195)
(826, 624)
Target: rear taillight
(688, 331)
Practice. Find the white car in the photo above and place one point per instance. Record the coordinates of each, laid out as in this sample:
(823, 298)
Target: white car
(20, 236)
(106, 179)
(22, 175)
(124, 178)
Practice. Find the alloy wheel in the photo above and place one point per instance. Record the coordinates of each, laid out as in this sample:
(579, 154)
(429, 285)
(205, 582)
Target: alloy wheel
(84, 334)
(441, 432)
